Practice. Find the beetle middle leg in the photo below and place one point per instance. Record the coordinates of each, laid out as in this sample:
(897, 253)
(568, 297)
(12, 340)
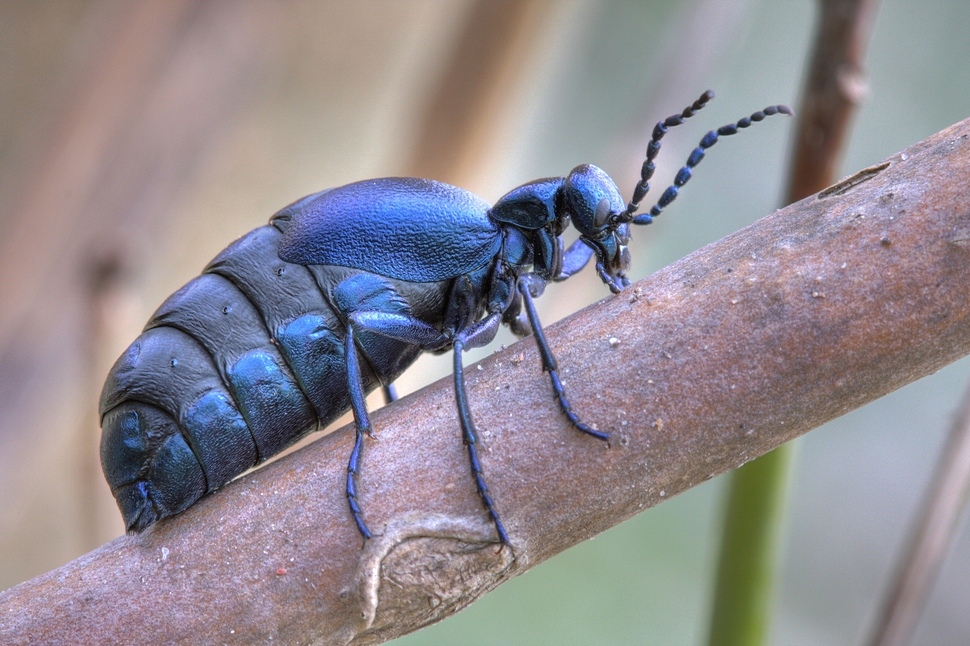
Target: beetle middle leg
(470, 437)
(549, 361)
(390, 393)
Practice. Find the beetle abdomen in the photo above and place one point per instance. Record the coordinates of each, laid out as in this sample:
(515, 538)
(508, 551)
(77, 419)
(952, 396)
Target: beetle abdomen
(152, 471)
(165, 386)
(239, 363)
(221, 318)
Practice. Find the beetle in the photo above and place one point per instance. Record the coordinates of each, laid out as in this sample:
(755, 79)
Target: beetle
(298, 320)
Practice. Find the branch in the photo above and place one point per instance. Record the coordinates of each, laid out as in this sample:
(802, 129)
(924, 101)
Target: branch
(744, 592)
(739, 347)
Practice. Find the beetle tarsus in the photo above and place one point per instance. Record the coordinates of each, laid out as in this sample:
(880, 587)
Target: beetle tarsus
(353, 470)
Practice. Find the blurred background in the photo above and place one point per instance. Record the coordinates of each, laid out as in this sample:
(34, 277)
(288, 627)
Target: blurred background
(137, 139)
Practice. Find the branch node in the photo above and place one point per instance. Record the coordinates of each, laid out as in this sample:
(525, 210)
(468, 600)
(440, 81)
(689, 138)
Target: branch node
(423, 568)
(850, 183)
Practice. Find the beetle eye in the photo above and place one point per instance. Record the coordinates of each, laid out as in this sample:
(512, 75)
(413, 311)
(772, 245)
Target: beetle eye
(602, 213)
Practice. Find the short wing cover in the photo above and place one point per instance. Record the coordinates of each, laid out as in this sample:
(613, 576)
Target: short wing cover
(410, 229)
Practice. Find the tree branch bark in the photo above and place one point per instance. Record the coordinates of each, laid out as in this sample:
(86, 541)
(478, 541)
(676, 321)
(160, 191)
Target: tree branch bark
(743, 345)
(757, 497)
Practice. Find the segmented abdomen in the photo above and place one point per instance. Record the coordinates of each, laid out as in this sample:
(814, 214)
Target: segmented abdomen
(239, 363)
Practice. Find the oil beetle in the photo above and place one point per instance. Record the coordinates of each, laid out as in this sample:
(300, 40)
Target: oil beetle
(296, 321)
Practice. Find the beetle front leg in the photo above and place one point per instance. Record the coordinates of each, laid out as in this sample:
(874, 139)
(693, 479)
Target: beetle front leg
(575, 258)
(549, 363)
(606, 278)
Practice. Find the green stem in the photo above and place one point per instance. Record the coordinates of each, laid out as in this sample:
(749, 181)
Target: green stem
(749, 550)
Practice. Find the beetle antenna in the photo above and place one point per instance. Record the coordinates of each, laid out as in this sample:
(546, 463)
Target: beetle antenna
(659, 130)
(684, 174)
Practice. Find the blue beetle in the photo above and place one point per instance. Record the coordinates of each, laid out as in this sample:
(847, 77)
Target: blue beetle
(296, 321)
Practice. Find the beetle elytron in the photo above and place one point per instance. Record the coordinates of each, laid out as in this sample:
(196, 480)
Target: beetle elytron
(297, 320)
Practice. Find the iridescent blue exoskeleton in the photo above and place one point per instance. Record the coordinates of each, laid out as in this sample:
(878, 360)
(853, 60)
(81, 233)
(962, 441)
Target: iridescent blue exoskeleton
(296, 321)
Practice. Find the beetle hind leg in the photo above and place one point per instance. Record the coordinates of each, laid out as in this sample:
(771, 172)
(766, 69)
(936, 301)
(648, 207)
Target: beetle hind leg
(361, 423)
(407, 328)
(400, 324)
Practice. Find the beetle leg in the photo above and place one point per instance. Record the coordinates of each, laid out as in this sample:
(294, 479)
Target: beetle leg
(402, 327)
(549, 365)
(470, 438)
(481, 333)
(512, 317)
(390, 393)
(361, 423)
(575, 258)
(606, 278)
(415, 331)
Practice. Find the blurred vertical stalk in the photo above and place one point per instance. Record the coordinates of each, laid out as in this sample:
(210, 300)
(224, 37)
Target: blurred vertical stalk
(757, 495)
(942, 510)
(142, 89)
(464, 109)
(749, 549)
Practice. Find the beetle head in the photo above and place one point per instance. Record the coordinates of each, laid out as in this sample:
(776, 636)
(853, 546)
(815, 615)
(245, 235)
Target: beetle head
(594, 205)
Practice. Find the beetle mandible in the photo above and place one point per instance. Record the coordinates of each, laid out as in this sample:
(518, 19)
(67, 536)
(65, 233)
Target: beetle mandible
(296, 321)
